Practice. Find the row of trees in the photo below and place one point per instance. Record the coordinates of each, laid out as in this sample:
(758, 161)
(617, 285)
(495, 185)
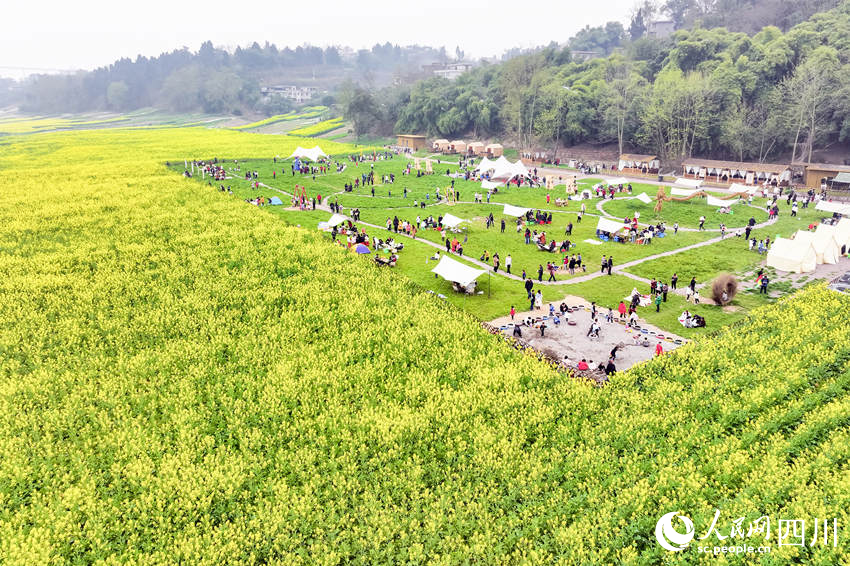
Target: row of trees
(699, 92)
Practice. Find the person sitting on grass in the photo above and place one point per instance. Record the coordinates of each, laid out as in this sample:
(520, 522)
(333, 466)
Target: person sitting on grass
(582, 365)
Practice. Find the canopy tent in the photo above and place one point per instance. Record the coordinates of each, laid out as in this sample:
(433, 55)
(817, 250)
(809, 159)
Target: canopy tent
(452, 221)
(362, 249)
(675, 191)
(826, 232)
(519, 168)
(511, 210)
(792, 255)
(826, 248)
(713, 201)
(608, 225)
(833, 207)
(485, 165)
(489, 184)
(842, 232)
(691, 183)
(336, 220)
(275, 201)
(502, 168)
(455, 271)
(843, 177)
(644, 198)
(618, 181)
(313, 154)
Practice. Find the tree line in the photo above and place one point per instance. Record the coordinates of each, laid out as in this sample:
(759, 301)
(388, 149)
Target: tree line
(707, 92)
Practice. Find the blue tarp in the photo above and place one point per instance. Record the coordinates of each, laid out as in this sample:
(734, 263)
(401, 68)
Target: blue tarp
(275, 200)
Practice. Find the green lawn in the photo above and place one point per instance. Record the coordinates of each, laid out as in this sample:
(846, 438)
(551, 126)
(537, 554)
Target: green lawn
(704, 263)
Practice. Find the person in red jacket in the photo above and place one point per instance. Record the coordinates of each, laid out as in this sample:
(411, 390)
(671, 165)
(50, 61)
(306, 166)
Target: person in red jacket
(582, 365)
(622, 310)
(658, 349)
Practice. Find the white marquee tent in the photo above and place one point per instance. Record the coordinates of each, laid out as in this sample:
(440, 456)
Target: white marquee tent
(336, 220)
(792, 255)
(511, 210)
(484, 165)
(452, 270)
(452, 221)
(608, 225)
(842, 232)
(823, 240)
(313, 154)
(644, 198)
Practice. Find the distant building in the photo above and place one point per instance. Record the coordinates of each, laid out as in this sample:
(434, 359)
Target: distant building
(411, 141)
(823, 174)
(660, 29)
(449, 71)
(728, 172)
(582, 56)
(295, 93)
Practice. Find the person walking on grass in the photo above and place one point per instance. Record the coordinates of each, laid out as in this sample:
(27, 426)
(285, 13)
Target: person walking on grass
(508, 262)
(673, 281)
(604, 264)
(675, 228)
(529, 285)
(702, 223)
(540, 273)
(551, 273)
(763, 286)
(610, 264)
(538, 299)
(664, 290)
(658, 303)
(693, 284)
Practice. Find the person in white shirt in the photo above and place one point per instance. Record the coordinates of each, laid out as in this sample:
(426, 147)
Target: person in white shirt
(508, 262)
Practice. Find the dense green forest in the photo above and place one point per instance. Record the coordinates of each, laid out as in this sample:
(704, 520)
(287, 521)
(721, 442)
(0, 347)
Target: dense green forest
(708, 92)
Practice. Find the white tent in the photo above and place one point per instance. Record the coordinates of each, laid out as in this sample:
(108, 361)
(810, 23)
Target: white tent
(675, 191)
(452, 270)
(511, 210)
(490, 184)
(519, 168)
(792, 255)
(713, 201)
(827, 232)
(452, 221)
(618, 181)
(608, 225)
(502, 168)
(842, 232)
(838, 207)
(336, 220)
(692, 183)
(826, 248)
(484, 165)
(313, 154)
(644, 198)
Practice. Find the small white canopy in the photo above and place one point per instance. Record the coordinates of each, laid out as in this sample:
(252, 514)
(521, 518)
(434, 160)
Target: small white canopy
(313, 154)
(511, 210)
(714, 201)
(676, 191)
(823, 241)
(502, 168)
(618, 181)
(490, 184)
(336, 220)
(519, 168)
(452, 221)
(644, 198)
(452, 270)
(838, 207)
(792, 255)
(608, 225)
(690, 183)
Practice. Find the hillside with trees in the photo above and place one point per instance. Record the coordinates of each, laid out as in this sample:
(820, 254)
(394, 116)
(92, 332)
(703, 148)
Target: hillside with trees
(708, 92)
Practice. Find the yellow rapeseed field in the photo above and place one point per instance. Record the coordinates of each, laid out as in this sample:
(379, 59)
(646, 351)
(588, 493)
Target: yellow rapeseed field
(187, 380)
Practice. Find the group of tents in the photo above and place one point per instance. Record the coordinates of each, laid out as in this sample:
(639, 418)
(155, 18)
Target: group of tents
(806, 250)
(313, 154)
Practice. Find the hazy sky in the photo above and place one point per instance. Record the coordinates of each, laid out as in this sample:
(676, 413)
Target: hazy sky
(91, 33)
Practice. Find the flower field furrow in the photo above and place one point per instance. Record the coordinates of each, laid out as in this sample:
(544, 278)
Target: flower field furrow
(183, 378)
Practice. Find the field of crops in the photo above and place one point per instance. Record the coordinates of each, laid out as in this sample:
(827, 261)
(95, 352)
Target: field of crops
(185, 379)
(306, 112)
(319, 128)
